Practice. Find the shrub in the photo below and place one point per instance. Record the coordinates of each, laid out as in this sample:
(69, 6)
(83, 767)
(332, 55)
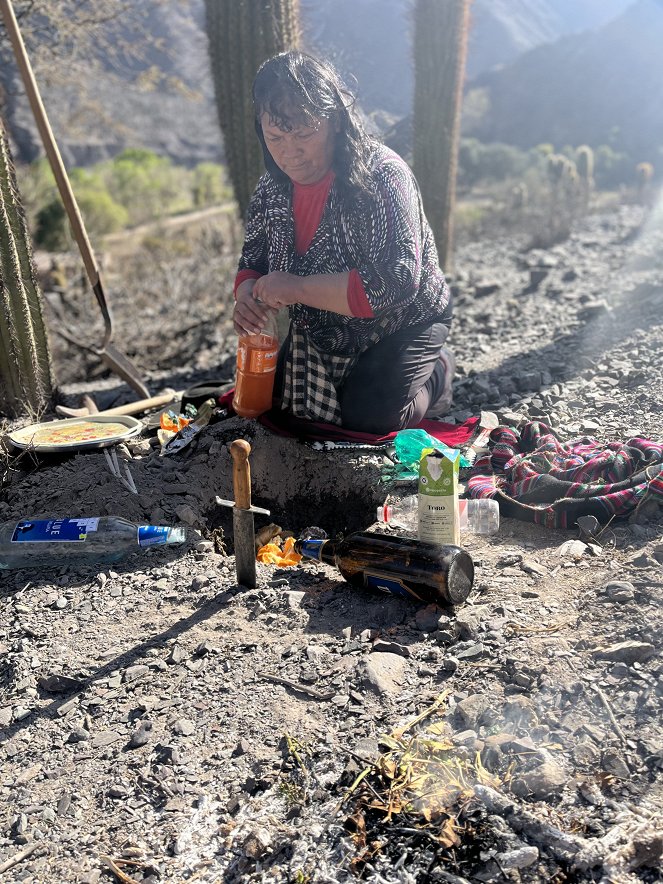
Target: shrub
(100, 212)
(208, 185)
(489, 162)
(147, 185)
(51, 230)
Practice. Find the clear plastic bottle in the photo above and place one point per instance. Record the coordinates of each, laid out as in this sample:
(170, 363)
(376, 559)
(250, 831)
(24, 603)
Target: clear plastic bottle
(480, 515)
(257, 356)
(43, 543)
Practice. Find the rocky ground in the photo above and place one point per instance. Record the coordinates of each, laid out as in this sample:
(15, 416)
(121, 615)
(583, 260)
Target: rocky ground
(160, 723)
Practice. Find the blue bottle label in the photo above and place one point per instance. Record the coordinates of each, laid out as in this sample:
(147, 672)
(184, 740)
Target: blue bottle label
(151, 535)
(389, 584)
(312, 548)
(53, 530)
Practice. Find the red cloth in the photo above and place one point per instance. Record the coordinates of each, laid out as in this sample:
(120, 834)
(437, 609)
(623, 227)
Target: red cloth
(285, 424)
(308, 204)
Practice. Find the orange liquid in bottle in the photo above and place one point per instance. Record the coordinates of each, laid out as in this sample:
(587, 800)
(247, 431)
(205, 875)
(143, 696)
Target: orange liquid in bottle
(256, 366)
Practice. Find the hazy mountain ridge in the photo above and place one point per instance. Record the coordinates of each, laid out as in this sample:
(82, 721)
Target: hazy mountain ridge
(369, 39)
(595, 88)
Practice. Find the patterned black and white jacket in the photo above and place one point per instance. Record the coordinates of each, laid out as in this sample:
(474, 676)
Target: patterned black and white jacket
(390, 243)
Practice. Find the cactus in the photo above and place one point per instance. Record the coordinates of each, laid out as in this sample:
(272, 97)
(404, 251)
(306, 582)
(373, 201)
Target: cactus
(585, 164)
(440, 48)
(644, 173)
(585, 167)
(241, 35)
(26, 381)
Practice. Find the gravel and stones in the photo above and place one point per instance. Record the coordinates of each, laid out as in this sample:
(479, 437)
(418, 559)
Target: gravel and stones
(159, 719)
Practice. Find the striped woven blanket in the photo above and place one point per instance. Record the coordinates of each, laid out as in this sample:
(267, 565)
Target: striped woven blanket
(539, 478)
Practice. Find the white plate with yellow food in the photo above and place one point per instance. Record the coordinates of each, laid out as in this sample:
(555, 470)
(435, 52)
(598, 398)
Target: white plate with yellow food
(76, 433)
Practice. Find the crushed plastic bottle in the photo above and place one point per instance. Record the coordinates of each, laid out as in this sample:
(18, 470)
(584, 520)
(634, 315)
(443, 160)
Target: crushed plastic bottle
(43, 543)
(480, 515)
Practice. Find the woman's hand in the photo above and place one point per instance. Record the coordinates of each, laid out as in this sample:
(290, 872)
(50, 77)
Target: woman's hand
(249, 316)
(278, 289)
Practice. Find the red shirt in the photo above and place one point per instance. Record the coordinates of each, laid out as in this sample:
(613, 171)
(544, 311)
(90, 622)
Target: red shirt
(308, 205)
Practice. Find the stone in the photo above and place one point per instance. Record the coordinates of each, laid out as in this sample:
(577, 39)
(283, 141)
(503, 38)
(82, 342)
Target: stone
(187, 514)
(257, 843)
(387, 647)
(382, 673)
(184, 727)
(545, 781)
(619, 591)
(585, 753)
(131, 673)
(520, 858)
(613, 763)
(78, 734)
(469, 651)
(427, 618)
(177, 655)
(626, 652)
(141, 736)
(471, 710)
(105, 738)
(467, 625)
(573, 549)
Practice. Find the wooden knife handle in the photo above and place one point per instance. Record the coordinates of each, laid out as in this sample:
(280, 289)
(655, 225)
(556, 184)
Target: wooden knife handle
(240, 450)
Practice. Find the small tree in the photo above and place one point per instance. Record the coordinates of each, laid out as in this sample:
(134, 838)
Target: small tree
(26, 381)
(440, 47)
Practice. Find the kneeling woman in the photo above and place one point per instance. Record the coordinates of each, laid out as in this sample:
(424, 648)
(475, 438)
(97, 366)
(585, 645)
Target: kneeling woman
(337, 234)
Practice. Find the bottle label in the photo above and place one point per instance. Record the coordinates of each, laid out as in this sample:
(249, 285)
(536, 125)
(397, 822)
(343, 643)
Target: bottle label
(257, 360)
(312, 548)
(53, 530)
(389, 584)
(151, 535)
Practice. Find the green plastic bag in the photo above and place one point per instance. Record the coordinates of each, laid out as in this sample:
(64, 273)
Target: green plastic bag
(408, 446)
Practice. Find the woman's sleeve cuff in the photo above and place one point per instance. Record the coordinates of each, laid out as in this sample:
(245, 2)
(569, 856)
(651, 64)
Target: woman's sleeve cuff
(357, 298)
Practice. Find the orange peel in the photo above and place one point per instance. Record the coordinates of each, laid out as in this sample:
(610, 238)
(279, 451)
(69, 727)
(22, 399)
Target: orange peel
(272, 554)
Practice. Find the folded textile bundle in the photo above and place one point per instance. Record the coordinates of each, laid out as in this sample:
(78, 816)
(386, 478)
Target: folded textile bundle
(537, 477)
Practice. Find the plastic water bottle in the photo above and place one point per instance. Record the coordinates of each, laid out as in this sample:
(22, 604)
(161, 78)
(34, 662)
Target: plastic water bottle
(257, 356)
(43, 543)
(479, 515)
(425, 572)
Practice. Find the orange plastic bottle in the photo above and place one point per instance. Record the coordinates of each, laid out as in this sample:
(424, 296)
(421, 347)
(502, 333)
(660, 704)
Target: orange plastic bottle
(256, 366)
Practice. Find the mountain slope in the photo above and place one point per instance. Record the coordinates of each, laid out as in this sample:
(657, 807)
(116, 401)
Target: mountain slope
(595, 88)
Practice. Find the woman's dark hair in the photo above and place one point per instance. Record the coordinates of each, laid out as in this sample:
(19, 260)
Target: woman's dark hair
(296, 89)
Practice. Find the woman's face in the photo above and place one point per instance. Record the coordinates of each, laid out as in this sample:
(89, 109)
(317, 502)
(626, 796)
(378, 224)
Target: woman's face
(305, 153)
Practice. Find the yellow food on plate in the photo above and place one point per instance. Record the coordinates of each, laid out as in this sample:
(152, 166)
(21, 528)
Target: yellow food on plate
(83, 431)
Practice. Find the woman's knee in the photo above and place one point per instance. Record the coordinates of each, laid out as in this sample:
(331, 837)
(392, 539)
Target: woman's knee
(370, 416)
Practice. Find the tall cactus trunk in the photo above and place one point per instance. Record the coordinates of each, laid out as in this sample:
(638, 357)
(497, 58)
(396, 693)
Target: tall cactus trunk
(242, 34)
(440, 48)
(26, 381)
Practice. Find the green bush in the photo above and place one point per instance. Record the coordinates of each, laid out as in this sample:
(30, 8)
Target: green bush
(147, 185)
(135, 187)
(208, 185)
(100, 212)
(51, 227)
(489, 162)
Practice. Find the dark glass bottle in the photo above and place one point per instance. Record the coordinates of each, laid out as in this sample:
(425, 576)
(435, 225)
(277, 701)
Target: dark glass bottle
(426, 572)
